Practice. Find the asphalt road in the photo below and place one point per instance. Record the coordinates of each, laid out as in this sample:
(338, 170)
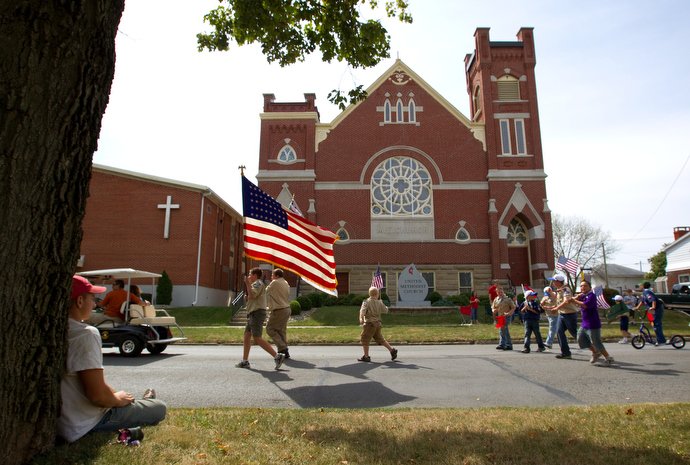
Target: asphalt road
(423, 376)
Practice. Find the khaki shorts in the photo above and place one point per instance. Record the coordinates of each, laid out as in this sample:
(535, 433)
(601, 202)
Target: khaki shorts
(255, 323)
(371, 330)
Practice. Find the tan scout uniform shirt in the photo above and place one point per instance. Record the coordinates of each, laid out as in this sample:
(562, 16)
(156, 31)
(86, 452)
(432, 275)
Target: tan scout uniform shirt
(371, 310)
(570, 307)
(547, 303)
(502, 305)
(259, 300)
(278, 293)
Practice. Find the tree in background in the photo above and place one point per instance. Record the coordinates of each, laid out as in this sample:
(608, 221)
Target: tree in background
(658, 268)
(57, 61)
(164, 290)
(579, 240)
(289, 31)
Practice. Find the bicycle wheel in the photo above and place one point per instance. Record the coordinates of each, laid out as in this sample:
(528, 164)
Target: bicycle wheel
(637, 342)
(678, 341)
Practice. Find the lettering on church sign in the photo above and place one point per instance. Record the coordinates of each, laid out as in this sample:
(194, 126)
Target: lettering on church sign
(401, 230)
(412, 288)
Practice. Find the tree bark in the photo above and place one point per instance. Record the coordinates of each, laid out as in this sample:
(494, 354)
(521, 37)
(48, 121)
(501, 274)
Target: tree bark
(57, 60)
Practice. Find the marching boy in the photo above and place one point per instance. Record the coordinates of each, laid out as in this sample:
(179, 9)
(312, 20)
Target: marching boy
(532, 313)
(370, 318)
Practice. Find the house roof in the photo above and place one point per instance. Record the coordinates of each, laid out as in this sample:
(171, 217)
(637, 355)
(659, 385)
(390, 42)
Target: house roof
(681, 240)
(618, 271)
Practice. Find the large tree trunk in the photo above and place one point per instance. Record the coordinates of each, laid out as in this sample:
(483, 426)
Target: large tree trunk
(57, 60)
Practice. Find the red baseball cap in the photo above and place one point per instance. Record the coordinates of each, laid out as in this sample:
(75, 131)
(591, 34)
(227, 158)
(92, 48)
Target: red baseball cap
(81, 286)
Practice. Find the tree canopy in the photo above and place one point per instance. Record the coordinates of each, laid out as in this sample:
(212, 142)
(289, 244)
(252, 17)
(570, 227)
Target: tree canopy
(658, 268)
(288, 31)
(579, 240)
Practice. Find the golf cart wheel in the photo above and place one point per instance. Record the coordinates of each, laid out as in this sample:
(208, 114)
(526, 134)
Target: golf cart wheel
(131, 346)
(678, 341)
(637, 342)
(156, 349)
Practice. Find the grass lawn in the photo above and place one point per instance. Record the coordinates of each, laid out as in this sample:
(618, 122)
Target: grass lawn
(209, 325)
(607, 435)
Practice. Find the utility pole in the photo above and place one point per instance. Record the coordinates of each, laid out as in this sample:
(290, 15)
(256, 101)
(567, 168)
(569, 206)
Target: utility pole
(606, 270)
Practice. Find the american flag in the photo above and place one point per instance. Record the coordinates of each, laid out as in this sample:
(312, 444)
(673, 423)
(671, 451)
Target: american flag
(279, 236)
(601, 300)
(567, 265)
(377, 282)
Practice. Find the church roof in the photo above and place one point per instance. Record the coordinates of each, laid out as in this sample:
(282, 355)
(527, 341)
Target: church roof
(618, 271)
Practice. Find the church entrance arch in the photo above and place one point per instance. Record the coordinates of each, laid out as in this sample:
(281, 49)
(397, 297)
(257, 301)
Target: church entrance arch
(518, 254)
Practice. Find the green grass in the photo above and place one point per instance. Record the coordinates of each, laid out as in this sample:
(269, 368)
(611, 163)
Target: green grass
(607, 435)
(343, 327)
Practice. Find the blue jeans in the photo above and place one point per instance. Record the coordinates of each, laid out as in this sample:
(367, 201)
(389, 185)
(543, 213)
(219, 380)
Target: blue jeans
(139, 413)
(553, 325)
(566, 321)
(590, 337)
(658, 315)
(473, 315)
(532, 325)
(504, 335)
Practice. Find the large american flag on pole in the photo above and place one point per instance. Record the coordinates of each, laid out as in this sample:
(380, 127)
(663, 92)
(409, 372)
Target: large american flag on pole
(601, 300)
(276, 235)
(377, 282)
(568, 265)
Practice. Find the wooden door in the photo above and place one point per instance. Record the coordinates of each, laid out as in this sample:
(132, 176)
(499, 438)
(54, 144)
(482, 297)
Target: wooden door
(518, 258)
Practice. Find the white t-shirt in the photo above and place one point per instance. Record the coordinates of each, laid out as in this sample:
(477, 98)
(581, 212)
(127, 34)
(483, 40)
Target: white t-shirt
(79, 415)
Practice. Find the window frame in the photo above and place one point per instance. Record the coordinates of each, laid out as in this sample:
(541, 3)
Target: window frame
(471, 287)
(287, 162)
(519, 125)
(504, 129)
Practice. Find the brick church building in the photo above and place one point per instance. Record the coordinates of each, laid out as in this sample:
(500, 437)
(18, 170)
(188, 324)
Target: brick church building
(134, 220)
(403, 177)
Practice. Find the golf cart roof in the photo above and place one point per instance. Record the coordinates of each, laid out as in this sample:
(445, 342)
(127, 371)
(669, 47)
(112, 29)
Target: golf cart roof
(118, 273)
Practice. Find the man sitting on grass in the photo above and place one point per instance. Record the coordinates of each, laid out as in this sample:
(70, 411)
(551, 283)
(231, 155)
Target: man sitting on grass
(88, 403)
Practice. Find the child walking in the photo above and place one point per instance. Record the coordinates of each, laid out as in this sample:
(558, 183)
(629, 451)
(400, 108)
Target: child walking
(370, 318)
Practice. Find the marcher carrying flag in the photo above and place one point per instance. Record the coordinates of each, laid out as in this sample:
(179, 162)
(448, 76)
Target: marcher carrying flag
(377, 282)
(601, 300)
(278, 236)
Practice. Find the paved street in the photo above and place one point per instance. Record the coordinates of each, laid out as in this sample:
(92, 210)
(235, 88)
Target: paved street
(423, 376)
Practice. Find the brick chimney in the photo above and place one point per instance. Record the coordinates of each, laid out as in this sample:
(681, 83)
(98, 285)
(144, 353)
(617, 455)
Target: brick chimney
(680, 232)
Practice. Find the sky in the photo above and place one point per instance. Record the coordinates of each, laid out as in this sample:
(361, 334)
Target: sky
(613, 99)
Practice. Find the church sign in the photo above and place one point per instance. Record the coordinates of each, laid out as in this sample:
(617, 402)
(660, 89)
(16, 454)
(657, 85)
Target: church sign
(412, 289)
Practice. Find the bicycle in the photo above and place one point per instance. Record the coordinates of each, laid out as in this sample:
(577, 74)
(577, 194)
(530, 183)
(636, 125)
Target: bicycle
(639, 340)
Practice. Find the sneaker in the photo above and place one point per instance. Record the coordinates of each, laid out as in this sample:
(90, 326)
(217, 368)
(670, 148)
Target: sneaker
(541, 349)
(606, 363)
(525, 351)
(279, 358)
(394, 354)
(610, 359)
(595, 357)
(150, 394)
(509, 348)
(623, 341)
(285, 351)
(364, 358)
(500, 348)
(563, 356)
(243, 364)
(548, 346)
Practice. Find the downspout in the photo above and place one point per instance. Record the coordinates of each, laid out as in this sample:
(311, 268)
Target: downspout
(198, 255)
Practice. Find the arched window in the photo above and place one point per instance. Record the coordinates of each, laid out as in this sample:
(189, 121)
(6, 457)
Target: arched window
(412, 117)
(287, 155)
(477, 101)
(399, 117)
(462, 235)
(344, 236)
(387, 111)
(401, 186)
(517, 234)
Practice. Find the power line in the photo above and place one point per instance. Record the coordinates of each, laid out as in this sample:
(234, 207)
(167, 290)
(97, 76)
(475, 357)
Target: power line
(662, 202)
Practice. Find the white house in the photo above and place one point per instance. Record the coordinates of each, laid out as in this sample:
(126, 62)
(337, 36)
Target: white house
(619, 277)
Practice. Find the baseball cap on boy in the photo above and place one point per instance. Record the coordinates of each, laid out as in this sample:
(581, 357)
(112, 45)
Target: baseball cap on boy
(558, 277)
(618, 297)
(81, 286)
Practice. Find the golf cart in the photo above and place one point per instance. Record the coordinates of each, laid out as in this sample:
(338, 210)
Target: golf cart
(143, 327)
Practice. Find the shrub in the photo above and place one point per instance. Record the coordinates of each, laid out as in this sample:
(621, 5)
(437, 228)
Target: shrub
(484, 300)
(164, 290)
(358, 299)
(433, 297)
(330, 301)
(295, 308)
(317, 299)
(443, 303)
(305, 302)
(455, 299)
(464, 299)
